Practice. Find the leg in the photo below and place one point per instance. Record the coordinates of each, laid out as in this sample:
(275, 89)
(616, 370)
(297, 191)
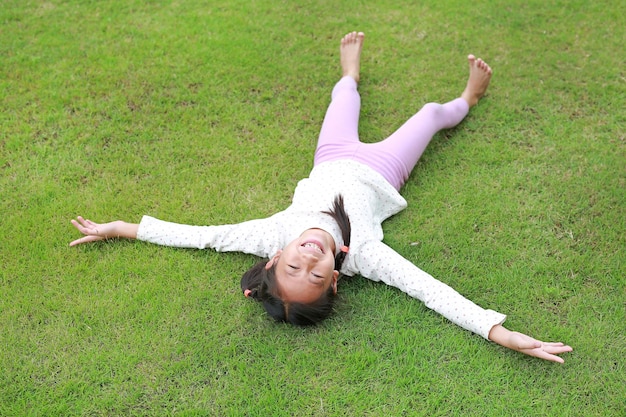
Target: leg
(340, 127)
(409, 142)
(400, 152)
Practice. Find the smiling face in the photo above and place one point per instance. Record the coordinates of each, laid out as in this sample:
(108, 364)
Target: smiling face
(305, 268)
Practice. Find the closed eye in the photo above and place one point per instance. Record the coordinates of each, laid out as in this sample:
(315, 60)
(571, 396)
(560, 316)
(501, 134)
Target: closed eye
(295, 268)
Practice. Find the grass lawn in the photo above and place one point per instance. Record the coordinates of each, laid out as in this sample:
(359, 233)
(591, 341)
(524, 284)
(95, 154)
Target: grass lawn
(207, 112)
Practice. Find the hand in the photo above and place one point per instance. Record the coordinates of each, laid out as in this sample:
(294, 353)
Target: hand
(527, 345)
(96, 231)
(533, 347)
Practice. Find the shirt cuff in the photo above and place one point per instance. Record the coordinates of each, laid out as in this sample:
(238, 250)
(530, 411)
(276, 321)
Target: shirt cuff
(493, 318)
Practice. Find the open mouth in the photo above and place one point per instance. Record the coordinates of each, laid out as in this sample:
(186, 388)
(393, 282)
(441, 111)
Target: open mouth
(312, 244)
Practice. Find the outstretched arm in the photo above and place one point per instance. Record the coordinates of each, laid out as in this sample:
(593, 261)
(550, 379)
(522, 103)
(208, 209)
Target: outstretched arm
(527, 345)
(378, 262)
(261, 237)
(101, 231)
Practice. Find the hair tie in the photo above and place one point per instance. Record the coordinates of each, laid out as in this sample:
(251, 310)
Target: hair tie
(345, 249)
(247, 293)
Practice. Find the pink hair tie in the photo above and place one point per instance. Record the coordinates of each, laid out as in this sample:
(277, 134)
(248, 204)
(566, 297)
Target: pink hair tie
(247, 293)
(345, 249)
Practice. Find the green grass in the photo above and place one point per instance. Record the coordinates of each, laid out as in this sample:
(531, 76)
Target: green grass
(208, 113)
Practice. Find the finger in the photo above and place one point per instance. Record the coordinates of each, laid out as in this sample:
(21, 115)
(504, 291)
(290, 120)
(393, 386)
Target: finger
(549, 353)
(557, 349)
(553, 358)
(542, 354)
(85, 239)
(81, 228)
(87, 223)
(79, 241)
(553, 344)
(81, 223)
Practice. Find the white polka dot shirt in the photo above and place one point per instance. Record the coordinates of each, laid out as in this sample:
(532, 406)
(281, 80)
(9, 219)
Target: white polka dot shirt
(369, 199)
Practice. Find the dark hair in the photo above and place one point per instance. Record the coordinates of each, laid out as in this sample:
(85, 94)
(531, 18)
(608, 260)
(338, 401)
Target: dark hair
(261, 283)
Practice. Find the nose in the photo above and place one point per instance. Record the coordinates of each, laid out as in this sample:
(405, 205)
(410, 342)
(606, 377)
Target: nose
(309, 258)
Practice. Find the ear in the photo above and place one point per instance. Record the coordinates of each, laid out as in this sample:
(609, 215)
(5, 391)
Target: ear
(333, 283)
(274, 259)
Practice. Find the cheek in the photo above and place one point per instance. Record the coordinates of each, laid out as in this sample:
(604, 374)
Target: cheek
(330, 266)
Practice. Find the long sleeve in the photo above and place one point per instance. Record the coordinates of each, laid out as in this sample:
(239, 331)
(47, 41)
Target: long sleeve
(258, 237)
(378, 262)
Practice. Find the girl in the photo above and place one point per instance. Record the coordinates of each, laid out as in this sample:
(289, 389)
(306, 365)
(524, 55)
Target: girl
(334, 224)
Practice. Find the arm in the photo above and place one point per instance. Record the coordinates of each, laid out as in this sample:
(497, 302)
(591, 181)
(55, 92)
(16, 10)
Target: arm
(378, 262)
(261, 237)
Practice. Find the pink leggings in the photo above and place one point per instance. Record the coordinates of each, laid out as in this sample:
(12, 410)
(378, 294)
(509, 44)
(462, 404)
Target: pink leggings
(394, 157)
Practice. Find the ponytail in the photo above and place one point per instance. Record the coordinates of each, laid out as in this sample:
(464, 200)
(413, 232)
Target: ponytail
(338, 212)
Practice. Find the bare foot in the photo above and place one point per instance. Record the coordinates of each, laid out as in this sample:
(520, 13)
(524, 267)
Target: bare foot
(479, 76)
(350, 52)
